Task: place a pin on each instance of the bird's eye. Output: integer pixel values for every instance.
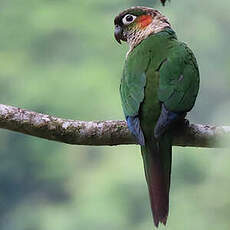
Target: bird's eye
(128, 19)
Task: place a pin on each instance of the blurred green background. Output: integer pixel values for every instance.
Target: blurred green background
(59, 57)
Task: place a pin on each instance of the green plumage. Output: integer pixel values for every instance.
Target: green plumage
(144, 62)
(160, 70)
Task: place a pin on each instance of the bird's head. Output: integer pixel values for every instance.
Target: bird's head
(136, 23)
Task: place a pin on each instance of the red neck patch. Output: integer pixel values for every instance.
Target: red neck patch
(144, 21)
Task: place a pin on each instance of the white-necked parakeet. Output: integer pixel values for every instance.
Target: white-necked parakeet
(159, 86)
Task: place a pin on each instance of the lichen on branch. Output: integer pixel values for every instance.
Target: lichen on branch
(99, 132)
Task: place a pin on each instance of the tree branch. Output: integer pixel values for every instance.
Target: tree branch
(99, 132)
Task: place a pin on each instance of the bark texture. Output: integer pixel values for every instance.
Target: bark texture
(101, 132)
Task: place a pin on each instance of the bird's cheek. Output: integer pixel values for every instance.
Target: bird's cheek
(144, 21)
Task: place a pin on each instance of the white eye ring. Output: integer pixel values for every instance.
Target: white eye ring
(128, 19)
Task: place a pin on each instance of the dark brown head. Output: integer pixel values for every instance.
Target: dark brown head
(137, 23)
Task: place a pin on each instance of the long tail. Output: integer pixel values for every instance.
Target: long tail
(157, 157)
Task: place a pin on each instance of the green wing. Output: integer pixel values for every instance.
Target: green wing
(133, 83)
(179, 80)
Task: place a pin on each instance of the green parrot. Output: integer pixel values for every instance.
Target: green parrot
(159, 86)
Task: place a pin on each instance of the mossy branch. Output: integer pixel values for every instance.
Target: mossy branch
(99, 132)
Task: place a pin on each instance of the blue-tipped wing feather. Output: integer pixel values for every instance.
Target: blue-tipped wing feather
(135, 128)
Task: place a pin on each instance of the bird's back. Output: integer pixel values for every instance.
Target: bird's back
(151, 54)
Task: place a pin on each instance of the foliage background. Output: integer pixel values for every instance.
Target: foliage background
(60, 57)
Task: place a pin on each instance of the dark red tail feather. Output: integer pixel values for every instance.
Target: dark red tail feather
(157, 163)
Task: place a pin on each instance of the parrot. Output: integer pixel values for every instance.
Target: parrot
(159, 85)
